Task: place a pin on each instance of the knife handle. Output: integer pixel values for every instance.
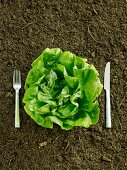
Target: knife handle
(108, 110)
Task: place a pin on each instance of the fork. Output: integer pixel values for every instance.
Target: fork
(17, 86)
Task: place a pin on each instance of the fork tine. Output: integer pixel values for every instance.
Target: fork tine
(16, 79)
(14, 75)
(19, 77)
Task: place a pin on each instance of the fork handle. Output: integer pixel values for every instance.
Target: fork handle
(17, 116)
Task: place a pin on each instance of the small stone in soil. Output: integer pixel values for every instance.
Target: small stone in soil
(104, 158)
(42, 144)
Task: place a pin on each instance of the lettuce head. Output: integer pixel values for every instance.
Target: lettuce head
(62, 88)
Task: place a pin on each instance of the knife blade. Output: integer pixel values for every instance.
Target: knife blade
(107, 89)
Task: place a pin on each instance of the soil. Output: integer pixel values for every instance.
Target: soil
(95, 29)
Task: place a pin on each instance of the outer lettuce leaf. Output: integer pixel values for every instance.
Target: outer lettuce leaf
(48, 55)
(67, 60)
(62, 88)
(84, 121)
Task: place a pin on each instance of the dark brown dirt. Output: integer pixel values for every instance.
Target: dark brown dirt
(96, 29)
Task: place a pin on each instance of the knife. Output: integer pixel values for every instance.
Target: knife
(107, 89)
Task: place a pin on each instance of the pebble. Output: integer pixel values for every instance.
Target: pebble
(104, 158)
(42, 144)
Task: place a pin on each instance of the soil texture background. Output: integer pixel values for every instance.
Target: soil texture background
(95, 29)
